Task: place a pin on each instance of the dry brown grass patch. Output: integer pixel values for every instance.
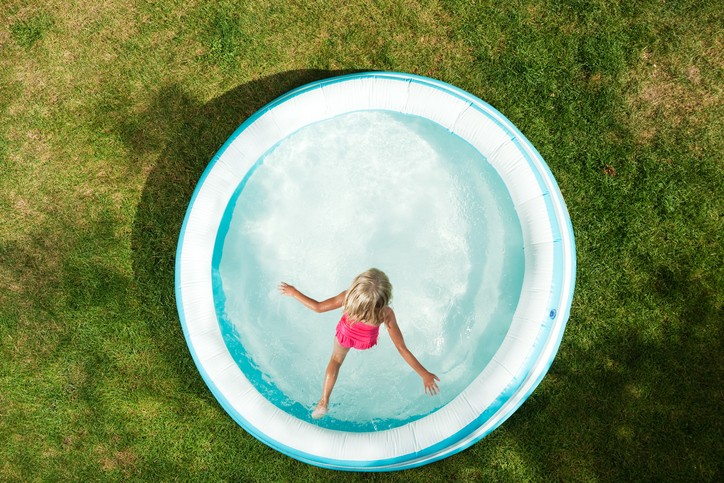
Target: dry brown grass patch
(124, 460)
(9, 472)
(672, 93)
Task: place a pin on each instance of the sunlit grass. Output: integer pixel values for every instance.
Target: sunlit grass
(109, 113)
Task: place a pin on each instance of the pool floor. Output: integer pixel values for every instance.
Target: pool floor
(368, 189)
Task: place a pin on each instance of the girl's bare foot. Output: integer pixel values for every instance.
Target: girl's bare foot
(319, 412)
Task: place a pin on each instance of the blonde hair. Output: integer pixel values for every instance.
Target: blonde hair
(369, 294)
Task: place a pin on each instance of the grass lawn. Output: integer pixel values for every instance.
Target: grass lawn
(109, 112)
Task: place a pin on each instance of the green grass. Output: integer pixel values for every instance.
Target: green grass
(26, 32)
(108, 116)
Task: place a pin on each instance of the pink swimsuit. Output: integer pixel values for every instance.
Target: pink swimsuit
(360, 336)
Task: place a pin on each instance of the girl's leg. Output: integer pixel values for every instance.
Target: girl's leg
(330, 378)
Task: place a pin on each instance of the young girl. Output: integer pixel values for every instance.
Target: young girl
(365, 306)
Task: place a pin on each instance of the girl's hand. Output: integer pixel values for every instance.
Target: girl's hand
(287, 289)
(430, 385)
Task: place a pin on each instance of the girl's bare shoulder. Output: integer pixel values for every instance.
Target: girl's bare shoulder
(389, 314)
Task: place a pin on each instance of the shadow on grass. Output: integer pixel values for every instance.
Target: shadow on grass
(639, 404)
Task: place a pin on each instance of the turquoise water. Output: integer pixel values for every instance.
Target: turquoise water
(368, 189)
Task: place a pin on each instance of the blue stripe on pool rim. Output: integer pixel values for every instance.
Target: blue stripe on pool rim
(221, 152)
(428, 454)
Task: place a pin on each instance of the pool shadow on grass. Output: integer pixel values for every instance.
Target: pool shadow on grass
(190, 133)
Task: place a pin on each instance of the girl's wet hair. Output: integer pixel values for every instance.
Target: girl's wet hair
(370, 292)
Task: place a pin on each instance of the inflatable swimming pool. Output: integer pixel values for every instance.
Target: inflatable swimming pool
(462, 157)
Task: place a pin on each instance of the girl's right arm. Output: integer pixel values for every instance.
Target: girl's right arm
(323, 306)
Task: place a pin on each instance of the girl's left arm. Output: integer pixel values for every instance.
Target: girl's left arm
(428, 378)
(324, 306)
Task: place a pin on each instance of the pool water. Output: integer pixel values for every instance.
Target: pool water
(368, 189)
